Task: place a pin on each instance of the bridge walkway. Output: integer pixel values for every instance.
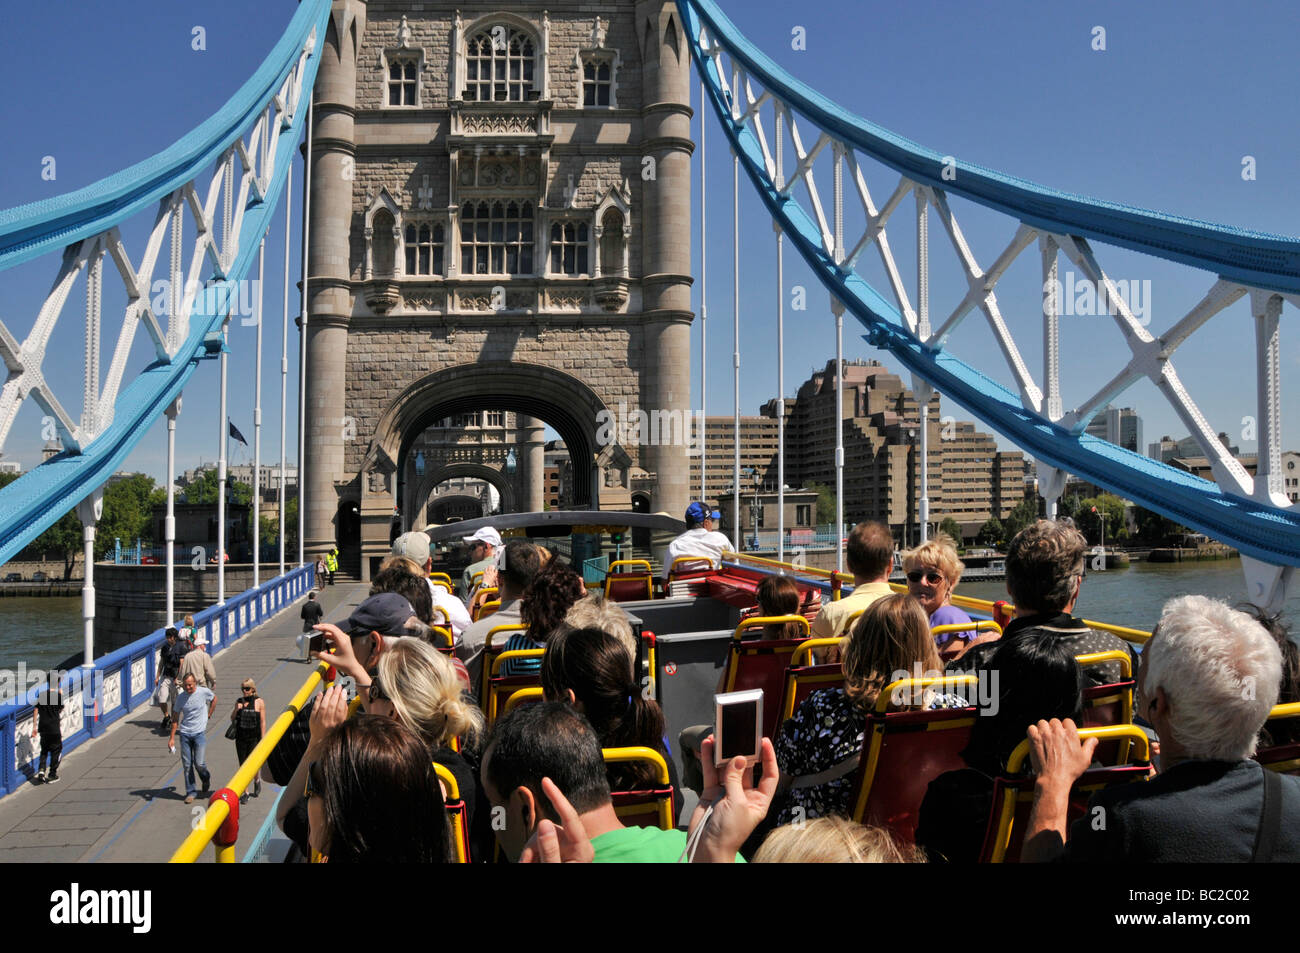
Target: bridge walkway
(121, 798)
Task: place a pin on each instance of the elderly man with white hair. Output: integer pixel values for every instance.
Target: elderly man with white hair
(1208, 678)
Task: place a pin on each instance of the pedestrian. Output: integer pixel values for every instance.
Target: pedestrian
(169, 670)
(332, 563)
(199, 664)
(249, 718)
(311, 614)
(189, 632)
(194, 706)
(49, 726)
(320, 571)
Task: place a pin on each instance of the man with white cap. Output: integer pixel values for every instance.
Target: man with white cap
(700, 538)
(416, 546)
(199, 663)
(483, 546)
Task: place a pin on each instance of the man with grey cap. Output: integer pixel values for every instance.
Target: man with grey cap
(483, 546)
(416, 547)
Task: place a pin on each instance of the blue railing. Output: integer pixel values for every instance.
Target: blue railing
(594, 569)
(122, 681)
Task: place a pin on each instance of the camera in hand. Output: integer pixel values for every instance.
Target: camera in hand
(738, 726)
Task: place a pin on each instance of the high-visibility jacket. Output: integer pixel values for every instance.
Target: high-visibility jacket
(331, 562)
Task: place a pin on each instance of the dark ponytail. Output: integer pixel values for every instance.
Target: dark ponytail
(595, 666)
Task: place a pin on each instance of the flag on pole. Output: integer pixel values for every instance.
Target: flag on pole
(1094, 509)
(234, 432)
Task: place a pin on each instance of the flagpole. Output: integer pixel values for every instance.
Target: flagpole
(257, 423)
(221, 479)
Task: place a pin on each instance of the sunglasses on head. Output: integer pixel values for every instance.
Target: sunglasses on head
(248, 688)
(929, 575)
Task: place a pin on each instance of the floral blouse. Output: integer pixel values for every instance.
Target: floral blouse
(825, 730)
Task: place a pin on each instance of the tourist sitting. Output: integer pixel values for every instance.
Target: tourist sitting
(835, 840)
(1045, 570)
(591, 670)
(778, 595)
(1282, 732)
(700, 539)
(818, 749)
(543, 767)
(519, 564)
(395, 575)
(1034, 679)
(550, 595)
(418, 550)
(594, 611)
(1209, 676)
(372, 796)
(870, 557)
(933, 571)
(482, 546)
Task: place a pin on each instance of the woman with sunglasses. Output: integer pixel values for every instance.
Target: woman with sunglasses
(249, 718)
(372, 796)
(933, 571)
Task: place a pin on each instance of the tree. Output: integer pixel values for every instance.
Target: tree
(825, 503)
(62, 540)
(271, 529)
(952, 528)
(128, 512)
(1024, 514)
(990, 533)
(205, 487)
(1154, 528)
(1109, 507)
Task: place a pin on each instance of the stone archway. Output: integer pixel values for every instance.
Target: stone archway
(563, 401)
(413, 514)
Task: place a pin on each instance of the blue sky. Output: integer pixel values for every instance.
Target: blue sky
(1162, 119)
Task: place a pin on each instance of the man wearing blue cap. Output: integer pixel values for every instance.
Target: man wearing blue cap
(700, 539)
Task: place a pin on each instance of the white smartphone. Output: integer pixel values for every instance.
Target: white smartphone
(738, 726)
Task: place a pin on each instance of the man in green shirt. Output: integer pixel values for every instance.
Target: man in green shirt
(543, 761)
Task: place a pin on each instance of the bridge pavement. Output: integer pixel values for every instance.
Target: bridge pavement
(121, 797)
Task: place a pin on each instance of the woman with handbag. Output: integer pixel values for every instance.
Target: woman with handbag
(247, 726)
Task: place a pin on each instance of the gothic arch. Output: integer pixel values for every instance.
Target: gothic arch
(564, 402)
(451, 471)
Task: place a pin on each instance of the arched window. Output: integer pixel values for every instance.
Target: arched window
(496, 238)
(499, 64)
(384, 248)
(424, 248)
(611, 243)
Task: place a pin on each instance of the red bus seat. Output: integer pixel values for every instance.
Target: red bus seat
(628, 585)
(650, 807)
(490, 651)
(761, 663)
(501, 687)
(802, 679)
(456, 816)
(1013, 796)
(903, 751)
(1110, 704)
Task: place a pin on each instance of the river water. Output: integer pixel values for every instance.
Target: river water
(1133, 596)
(43, 632)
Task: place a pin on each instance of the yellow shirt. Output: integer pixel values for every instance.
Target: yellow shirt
(832, 621)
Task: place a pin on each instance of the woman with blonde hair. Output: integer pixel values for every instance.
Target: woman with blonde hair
(835, 840)
(818, 748)
(419, 687)
(933, 571)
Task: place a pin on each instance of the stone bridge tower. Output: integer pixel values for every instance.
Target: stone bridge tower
(500, 219)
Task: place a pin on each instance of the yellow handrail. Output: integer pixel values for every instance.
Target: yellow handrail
(757, 622)
(1102, 658)
(912, 684)
(440, 577)
(1016, 763)
(638, 753)
(218, 811)
(521, 697)
(1289, 710)
(807, 647)
(641, 564)
(983, 625)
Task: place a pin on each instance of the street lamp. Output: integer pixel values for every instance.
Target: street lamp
(911, 431)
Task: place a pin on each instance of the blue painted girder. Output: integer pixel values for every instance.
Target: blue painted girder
(1259, 530)
(38, 498)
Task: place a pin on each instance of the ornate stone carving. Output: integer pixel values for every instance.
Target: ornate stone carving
(566, 300)
(497, 124)
(378, 481)
(421, 302)
(425, 193)
(404, 34)
(597, 33)
(611, 293)
(382, 295)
